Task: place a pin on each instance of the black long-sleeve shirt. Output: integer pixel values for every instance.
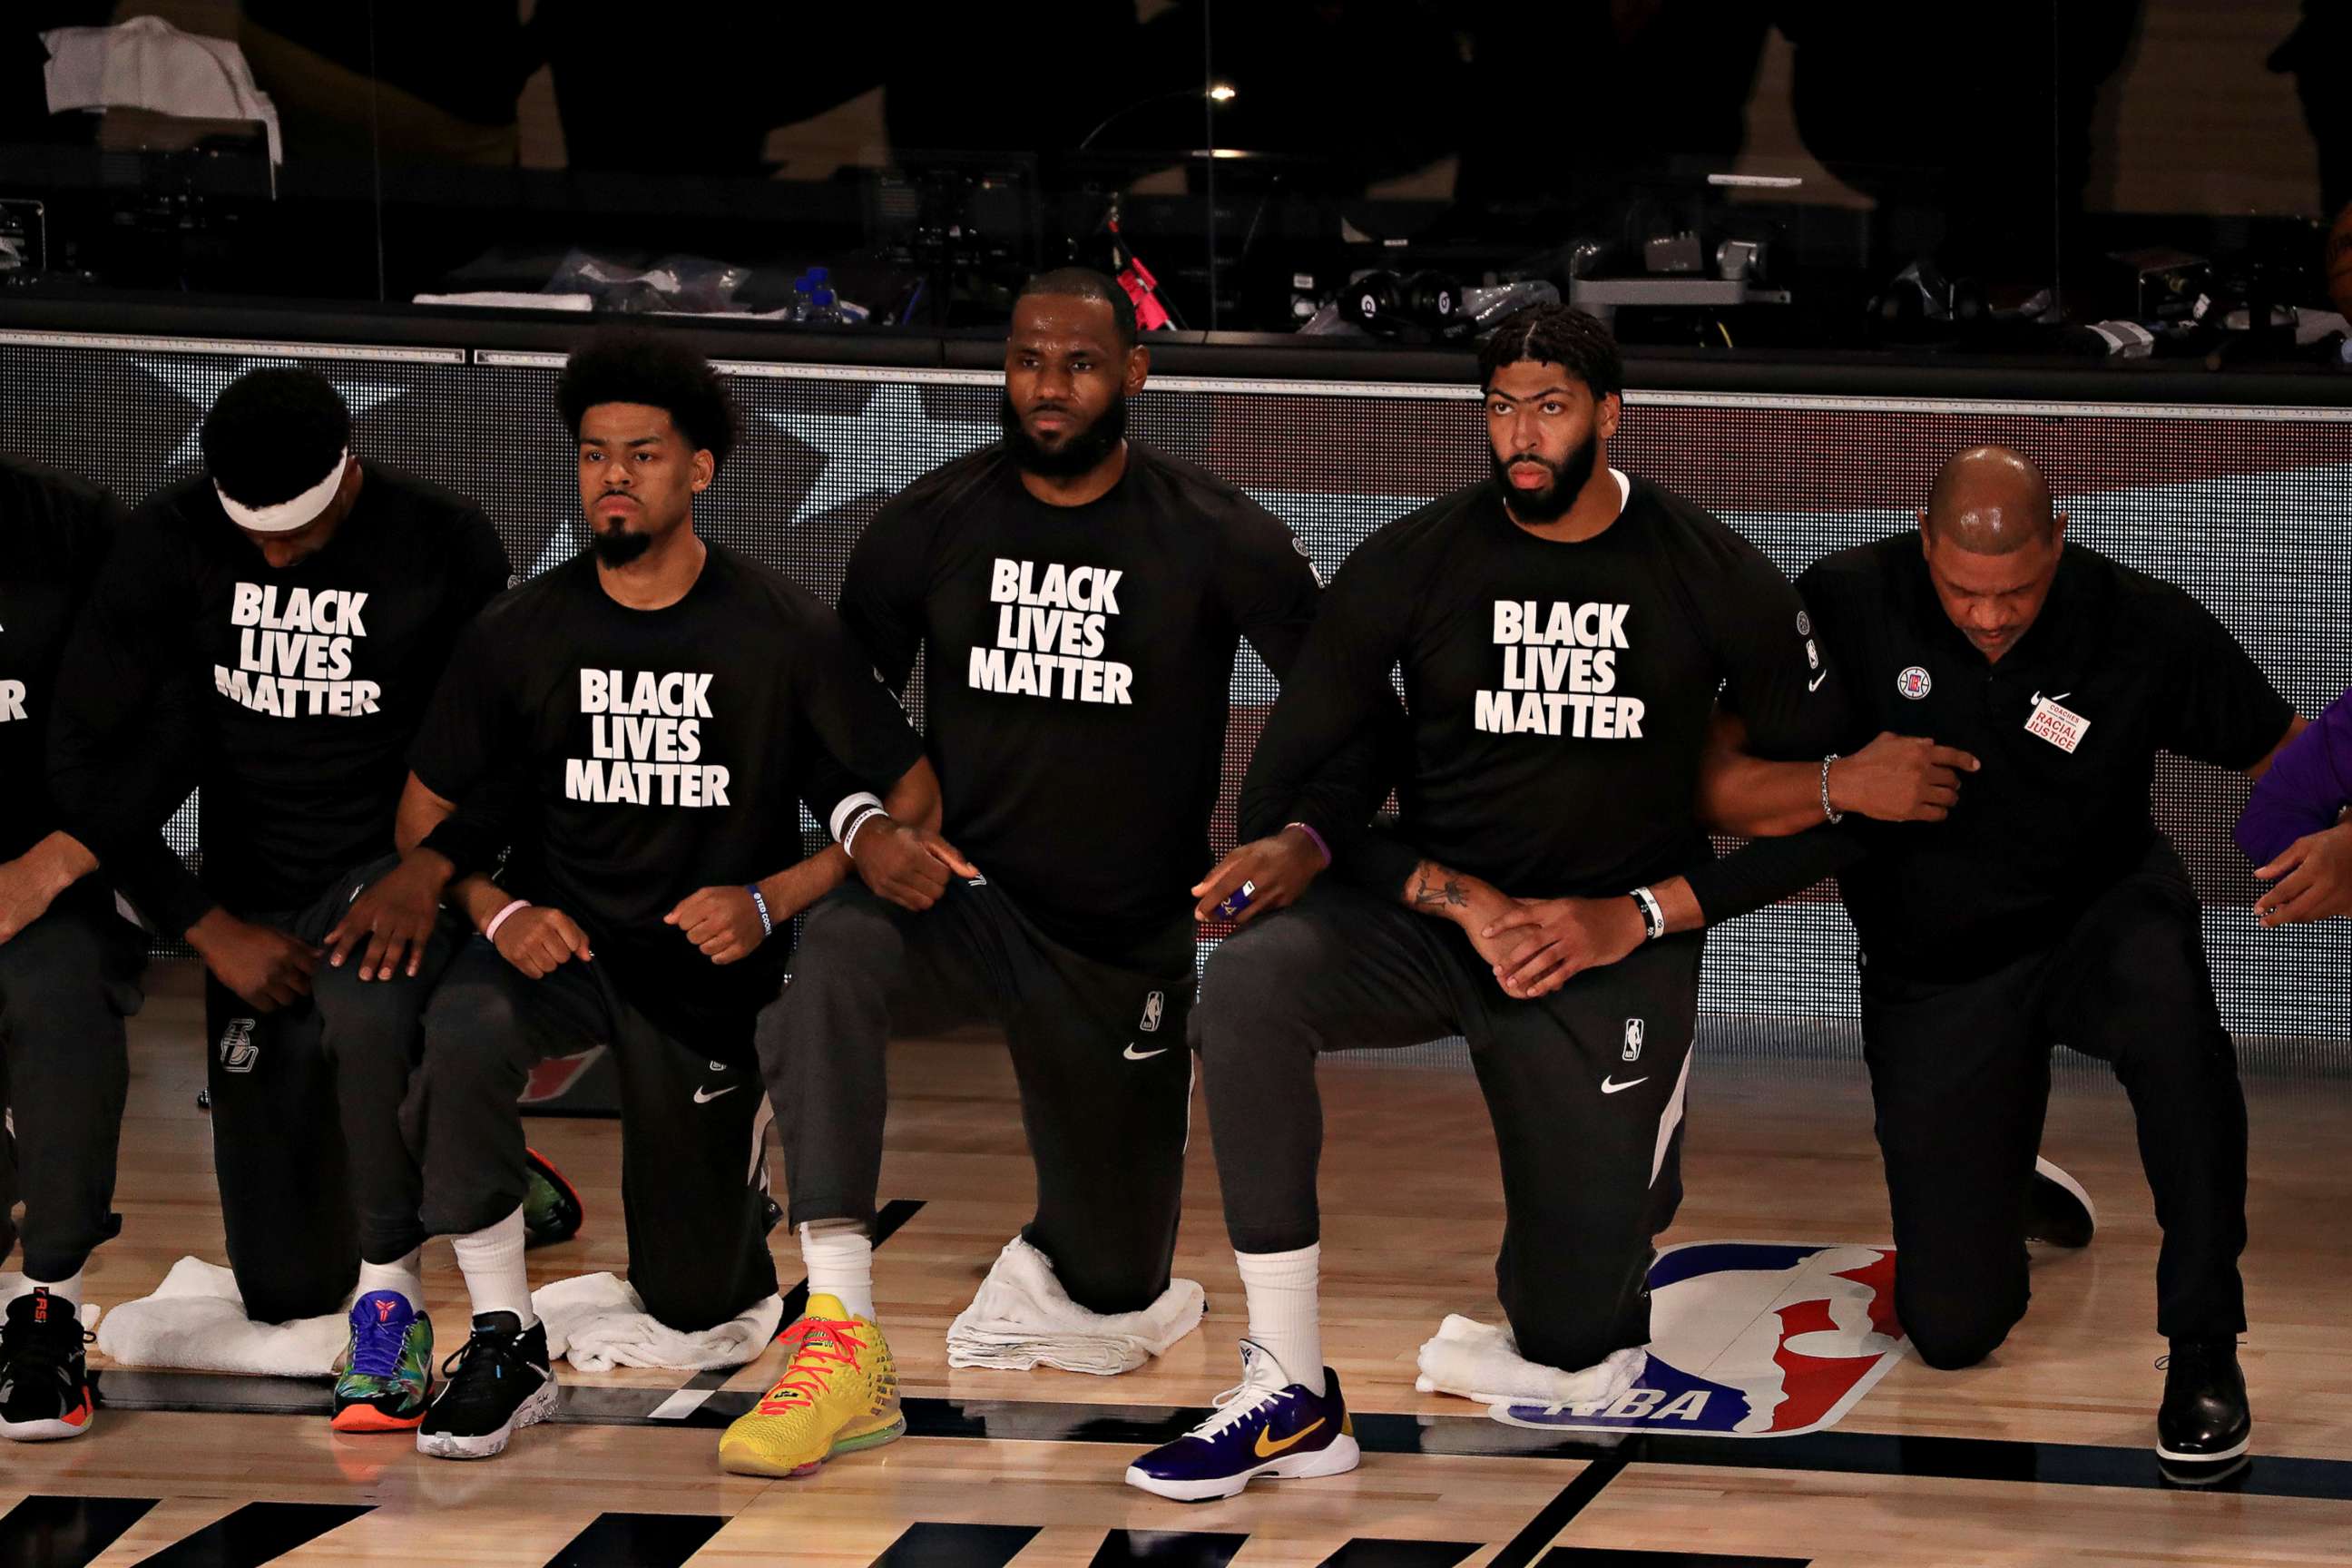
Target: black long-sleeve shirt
(54, 530)
(1077, 672)
(1559, 692)
(306, 684)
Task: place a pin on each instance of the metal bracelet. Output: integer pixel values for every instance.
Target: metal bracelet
(1827, 813)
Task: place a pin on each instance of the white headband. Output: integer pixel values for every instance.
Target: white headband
(286, 516)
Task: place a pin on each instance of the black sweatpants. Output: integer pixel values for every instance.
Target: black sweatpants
(1961, 1076)
(314, 1173)
(693, 1188)
(1585, 1087)
(67, 983)
(1098, 1050)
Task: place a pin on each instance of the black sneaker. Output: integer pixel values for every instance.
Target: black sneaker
(2204, 1419)
(44, 1382)
(2058, 1212)
(551, 1209)
(496, 1386)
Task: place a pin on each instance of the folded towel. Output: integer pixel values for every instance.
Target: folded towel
(1481, 1363)
(600, 1323)
(196, 1320)
(1023, 1318)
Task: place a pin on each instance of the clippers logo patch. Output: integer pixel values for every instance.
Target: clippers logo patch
(1914, 682)
(1152, 1006)
(2061, 727)
(1634, 1029)
(237, 1051)
(1805, 625)
(1751, 1340)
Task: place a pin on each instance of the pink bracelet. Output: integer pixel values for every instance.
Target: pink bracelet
(1310, 833)
(491, 930)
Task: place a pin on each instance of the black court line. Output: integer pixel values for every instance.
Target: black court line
(257, 1533)
(1144, 1426)
(1166, 1549)
(886, 1221)
(1523, 1548)
(957, 1546)
(1369, 1552)
(64, 1531)
(638, 1541)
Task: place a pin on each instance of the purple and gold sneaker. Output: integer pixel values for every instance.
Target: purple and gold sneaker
(1268, 1425)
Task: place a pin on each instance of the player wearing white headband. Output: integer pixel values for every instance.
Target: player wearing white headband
(295, 605)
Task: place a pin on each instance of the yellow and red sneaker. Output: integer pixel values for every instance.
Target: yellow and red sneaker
(44, 1381)
(839, 1393)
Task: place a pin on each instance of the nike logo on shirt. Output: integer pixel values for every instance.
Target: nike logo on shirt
(1815, 683)
(1610, 1086)
(1131, 1054)
(705, 1096)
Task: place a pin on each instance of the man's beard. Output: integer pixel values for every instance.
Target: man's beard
(616, 547)
(1081, 451)
(1551, 504)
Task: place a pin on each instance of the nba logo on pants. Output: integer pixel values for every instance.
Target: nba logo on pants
(1751, 1340)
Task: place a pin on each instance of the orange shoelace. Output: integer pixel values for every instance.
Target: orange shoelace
(812, 1363)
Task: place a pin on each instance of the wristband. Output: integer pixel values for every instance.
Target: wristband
(759, 903)
(849, 839)
(1654, 915)
(1321, 847)
(842, 814)
(1827, 813)
(491, 930)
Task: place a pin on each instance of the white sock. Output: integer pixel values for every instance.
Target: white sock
(402, 1274)
(58, 1290)
(839, 1258)
(491, 1261)
(1281, 1290)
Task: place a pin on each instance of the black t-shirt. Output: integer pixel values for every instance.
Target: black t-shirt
(1077, 675)
(664, 751)
(2118, 667)
(1559, 692)
(307, 683)
(53, 534)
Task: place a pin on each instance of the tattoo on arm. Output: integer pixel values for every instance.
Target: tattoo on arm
(1430, 893)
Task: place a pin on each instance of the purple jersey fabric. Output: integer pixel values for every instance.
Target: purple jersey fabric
(2309, 782)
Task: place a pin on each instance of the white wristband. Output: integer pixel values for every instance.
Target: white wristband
(491, 930)
(849, 841)
(1654, 915)
(847, 813)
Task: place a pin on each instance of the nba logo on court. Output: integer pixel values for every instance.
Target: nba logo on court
(1635, 1030)
(237, 1051)
(1751, 1340)
(1151, 1007)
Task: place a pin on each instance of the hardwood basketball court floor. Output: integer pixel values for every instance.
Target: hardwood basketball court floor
(2040, 1456)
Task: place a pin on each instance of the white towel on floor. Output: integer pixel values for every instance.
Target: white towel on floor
(196, 1320)
(1482, 1362)
(13, 1286)
(598, 1321)
(1022, 1317)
